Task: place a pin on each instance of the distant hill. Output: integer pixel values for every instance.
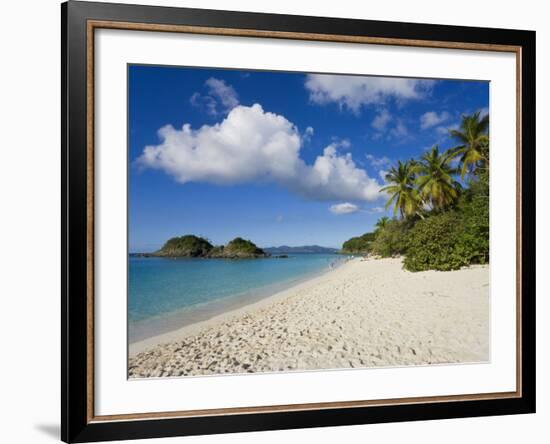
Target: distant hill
(285, 249)
(194, 246)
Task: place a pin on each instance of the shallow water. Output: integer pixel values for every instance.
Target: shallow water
(164, 294)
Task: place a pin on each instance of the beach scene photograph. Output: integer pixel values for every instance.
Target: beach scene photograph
(288, 221)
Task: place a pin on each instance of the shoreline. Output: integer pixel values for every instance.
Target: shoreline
(237, 309)
(365, 313)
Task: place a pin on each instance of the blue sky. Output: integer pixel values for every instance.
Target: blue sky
(277, 158)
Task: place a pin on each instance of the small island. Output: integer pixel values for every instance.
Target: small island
(198, 247)
(238, 248)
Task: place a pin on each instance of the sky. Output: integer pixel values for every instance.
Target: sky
(278, 158)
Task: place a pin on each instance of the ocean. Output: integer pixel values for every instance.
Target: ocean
(166, 293)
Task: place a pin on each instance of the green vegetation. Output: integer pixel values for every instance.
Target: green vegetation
(185, 246)
(194, 246)
(382, 223)
(442, 225)
(455, 238)
(358, 245)
(238, 248)
(474, 138)
(403, 193)
(437, 243)
(434, 180)
(390, 241)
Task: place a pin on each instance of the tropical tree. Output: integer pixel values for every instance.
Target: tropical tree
(434, 178)
(382, 223)
(401, 189)
(473, 136)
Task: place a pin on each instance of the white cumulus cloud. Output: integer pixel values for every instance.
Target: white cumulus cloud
(252, 145)
(344, 208)
(355, 91)
(432, 118)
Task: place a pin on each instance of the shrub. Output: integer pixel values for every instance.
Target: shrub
(390, 240)
(475, 213)
(431, 244)
(445, 241)
(359, 244)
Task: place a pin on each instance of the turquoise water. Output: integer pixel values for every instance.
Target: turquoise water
(160, 287)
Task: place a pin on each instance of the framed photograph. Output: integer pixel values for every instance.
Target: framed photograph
(276, 221)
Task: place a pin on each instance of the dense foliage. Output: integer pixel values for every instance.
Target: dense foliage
(437, 243)
(185, 246)
(390, 240)
(238, 248)
(359, 244)
(443, 224)
(455, 238)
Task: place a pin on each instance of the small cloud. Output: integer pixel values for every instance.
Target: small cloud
(342, 144)
(375, 210)
(206, 103)
(344, 208)
(388, 132)
(220, 99)
(280, 218)
(381, 121)
(308, 134)
(225, 93)
(444, 130)
(378, 161)
(354, 92)
(432, 118)
(399, 131)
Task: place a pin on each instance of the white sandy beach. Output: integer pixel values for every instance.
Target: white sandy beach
(366, 313)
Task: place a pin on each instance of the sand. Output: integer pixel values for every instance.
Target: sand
(366, 313)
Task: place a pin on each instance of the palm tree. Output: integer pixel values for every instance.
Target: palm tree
(435, 181)
(382, 223)
(402, 191)
(474, 142)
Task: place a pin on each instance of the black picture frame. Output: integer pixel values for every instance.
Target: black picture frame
(76, 423)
